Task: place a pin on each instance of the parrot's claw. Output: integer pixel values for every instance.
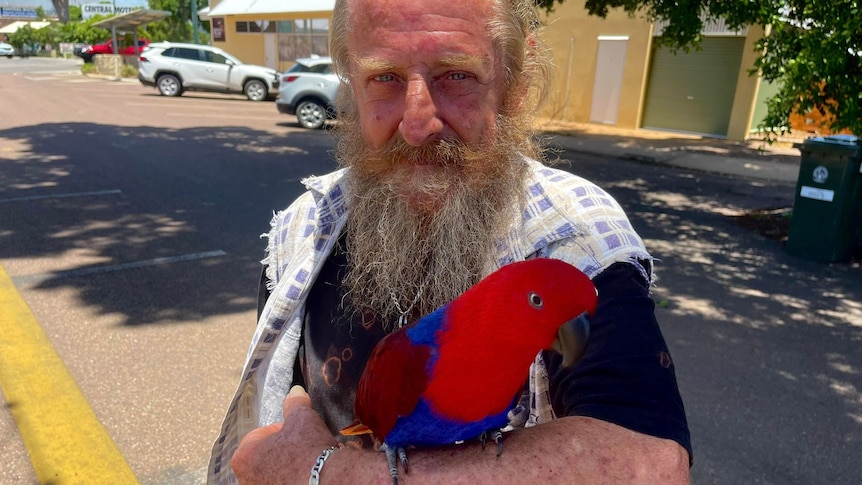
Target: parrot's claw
(402, 455)
(498, 438)
(391, 454)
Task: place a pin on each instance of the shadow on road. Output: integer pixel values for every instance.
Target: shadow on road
(79, 203)
(768, 346)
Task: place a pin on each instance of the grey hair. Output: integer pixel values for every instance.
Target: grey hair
(515, 27)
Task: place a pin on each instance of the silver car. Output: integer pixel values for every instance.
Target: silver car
(173, 68)
(308, 91)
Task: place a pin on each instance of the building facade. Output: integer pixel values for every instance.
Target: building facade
(270, 32)
(607, 71)
(611, 71)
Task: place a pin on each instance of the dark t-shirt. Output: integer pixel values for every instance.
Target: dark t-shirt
(626, 376)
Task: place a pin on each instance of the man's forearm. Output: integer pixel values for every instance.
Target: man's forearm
(566, 451)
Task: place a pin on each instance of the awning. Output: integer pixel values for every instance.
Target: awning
(204, 13)
(129, 22)
(14, 26)
(264, 7)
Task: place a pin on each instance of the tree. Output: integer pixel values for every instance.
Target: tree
(177, 27)
(812, 49)
(75, 13)
(24, 39)
(62, 9)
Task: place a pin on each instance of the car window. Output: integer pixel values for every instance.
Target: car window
(298, 68)
(322, 68)
(182, 53)
(318, 68)
(215, 57)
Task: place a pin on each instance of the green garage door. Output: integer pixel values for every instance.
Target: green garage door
(693, 91)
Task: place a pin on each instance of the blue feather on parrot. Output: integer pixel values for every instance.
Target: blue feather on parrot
(454, 374)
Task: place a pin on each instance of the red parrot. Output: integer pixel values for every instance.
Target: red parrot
(455, 373)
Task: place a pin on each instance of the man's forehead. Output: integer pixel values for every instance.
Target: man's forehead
(450, 60)
(435, 33)
(388, 14)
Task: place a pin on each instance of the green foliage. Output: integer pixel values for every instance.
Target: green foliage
(89, 68)
(81, 32)
(547, 5)
(812, 48)
(24, 39)
(128, 71)
(177, 27)
(173, 28)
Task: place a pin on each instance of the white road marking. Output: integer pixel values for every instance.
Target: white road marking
(60, 196)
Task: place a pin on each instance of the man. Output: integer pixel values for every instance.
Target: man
(437, 192)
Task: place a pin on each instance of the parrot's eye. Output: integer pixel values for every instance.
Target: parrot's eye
(535, 300)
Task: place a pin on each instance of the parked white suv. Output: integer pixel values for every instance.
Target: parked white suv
(173, 68)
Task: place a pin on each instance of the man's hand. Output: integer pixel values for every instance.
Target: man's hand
(261, 456)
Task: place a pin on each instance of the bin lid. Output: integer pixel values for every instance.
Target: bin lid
(842, 139)
(841, 145)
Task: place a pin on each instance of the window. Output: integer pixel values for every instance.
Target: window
(302, 38)
(183, 53)
(215, 58)
(322, 68)
(257, 26)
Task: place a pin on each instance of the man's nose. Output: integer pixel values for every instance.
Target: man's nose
(420, 121)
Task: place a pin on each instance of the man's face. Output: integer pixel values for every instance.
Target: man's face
(436, 174)
(424, 71)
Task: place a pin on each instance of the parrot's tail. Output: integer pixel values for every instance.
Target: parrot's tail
(355, 428)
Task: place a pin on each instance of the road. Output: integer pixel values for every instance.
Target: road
(129, 224)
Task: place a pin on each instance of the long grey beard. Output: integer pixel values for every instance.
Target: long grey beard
(406, 263)
(407, 259)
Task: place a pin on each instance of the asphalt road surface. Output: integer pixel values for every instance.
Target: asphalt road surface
(130, 225)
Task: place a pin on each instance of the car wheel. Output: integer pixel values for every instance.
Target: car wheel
(169, 85)
(311, 114)
(255, 90)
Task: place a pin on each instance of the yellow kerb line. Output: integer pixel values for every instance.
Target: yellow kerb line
(66, 442)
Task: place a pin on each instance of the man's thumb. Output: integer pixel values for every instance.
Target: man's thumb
(296, 397)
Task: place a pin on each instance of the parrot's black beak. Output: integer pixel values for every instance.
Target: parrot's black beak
(572, 338)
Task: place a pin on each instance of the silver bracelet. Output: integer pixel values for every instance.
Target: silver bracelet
(314, 479)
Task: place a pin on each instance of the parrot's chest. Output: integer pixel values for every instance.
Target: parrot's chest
(425, 427)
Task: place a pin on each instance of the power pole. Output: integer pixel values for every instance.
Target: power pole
(195, 21)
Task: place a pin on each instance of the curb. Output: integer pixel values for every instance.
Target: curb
(111, 78)
(727, 165)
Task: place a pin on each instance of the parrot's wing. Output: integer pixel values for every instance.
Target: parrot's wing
(394, 378)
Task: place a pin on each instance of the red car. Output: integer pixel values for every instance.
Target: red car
(88, 52)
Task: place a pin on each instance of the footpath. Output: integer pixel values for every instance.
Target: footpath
(753, 158)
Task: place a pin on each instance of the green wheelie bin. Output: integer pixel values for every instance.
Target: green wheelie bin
(827, 210)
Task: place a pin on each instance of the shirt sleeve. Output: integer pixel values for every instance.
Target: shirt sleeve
(626, 376)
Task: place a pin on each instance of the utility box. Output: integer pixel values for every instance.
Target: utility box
(827, 211)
